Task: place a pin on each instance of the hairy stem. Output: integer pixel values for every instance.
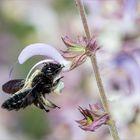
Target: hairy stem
(83, 17)
(112, 126)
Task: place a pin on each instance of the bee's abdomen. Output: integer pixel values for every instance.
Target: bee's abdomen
(16, 102)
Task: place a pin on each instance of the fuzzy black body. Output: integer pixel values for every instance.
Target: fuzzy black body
(16, 101)
(43, 83)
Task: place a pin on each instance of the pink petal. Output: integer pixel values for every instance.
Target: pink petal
(41, 49)
(99, 122)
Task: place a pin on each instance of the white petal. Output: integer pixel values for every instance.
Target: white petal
(44, 50)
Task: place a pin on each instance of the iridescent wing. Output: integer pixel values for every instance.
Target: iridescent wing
(13, 86)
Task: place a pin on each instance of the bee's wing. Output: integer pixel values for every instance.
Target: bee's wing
(13, 86)
(21, 99)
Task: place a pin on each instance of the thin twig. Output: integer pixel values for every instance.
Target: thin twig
(112, 126)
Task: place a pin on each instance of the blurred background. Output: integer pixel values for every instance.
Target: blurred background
(115, 24)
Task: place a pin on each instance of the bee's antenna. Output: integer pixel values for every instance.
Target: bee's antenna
(11, 69)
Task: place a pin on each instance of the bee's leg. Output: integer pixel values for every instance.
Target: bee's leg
(46, 103)
(40, 105)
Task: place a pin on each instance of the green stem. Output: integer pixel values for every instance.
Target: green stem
(111, 124)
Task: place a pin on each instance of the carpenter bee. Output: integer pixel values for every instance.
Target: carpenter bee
(33, 90)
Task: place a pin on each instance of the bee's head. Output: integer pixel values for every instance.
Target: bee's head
(52, 69)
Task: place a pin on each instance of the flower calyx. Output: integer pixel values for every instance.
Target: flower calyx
(94, 117)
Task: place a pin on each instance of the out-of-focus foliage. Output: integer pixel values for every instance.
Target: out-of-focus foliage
(34, 123)
(63, 6)
(21, 29)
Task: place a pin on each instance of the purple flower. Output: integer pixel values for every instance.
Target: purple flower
(78, 50)
(44, 50)
(94, 118)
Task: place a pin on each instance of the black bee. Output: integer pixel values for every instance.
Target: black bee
(34, 89)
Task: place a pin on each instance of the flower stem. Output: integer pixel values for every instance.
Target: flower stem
(83, 17)
(112, 126)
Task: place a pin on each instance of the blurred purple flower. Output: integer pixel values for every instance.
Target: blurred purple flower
(78, 50)
(94, 118)
(127, 62)
(130, 8)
